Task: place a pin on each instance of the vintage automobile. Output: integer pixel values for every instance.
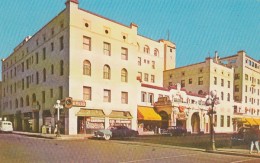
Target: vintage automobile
(115, 132)
(175, 130)
(6, 126)
(240, 137)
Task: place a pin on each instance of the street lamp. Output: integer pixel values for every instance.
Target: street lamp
(211, 101)
(58, 106)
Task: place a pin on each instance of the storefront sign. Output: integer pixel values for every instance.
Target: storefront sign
(78, 103)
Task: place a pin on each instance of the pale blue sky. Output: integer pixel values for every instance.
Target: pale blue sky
(198, 27)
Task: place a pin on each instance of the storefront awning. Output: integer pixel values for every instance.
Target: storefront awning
(120, 114)
(257, 121)
(90, 113)
(148, 113)
(251, 121)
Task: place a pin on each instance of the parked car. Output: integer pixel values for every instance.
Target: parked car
(240, 137)
(115, 132)
(6, 126)
(175, 130)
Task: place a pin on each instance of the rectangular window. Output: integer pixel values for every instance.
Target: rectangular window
(139, 61)
(146, 77)
(151, 98)
(87, 43)
(237, 76)
(216, 120)
(222, 82)
(124, 53)
(215, 80)
(22, 85)
(222, 121)
(107, 48)
(52, 46)
(22, 68)
(228, 84)
(43, 96)
(143, 97)
(153, 64)
(245, 99)
(182, 83)
(245, 88)
(246, 77)
(140, 76)
(51, 93)
(152, 79)
(200, 81)
(124, 97)
(37, 58)
(60, 92)
(190, 80)
(107, 95)
(86, 93)
(61, 43)
(43, 53)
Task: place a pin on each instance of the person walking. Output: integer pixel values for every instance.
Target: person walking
(253, 138)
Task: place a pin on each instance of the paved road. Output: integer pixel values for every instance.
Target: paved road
(17, 148)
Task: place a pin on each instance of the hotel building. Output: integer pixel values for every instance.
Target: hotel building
(98, 63)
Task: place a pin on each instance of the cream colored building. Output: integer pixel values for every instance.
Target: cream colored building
(96, 61)
(236, 79)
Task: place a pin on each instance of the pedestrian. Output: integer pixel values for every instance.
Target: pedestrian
(253, 135)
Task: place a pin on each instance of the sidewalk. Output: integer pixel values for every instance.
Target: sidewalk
(226, 151)
(53, 136)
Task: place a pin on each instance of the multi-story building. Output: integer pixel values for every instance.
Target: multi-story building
(97, 62)
(236, 79)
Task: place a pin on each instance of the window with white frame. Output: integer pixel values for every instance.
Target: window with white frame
(107, 95)
(86, 68)
(151, 98)
(146, 77)
(139, 61)
(124, 97)
(86, 93)
(152, 78)
(143, 97)
(124, 53)
(146, 49)
(107, 48)
(106, 72)
(123, 75)
(87, 43)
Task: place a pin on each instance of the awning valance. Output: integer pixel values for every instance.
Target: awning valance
(120, 114)
(90, 113)
(148, 113)
(251, 121)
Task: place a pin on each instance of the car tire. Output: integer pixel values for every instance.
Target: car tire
(107, 137)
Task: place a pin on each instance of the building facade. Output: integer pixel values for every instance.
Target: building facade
(97, 62)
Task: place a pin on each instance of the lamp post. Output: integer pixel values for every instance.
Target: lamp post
(58, 107)
(212, 100)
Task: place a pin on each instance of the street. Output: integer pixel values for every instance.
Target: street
(17, 148)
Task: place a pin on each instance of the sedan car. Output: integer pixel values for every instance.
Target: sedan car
(175, 130)
(115, 132)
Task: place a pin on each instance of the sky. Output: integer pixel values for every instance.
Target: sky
(197, 27)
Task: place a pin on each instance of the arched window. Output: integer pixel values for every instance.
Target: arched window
(61, 68)
(52, 69)
(124, 75)
(86, 68)
(27, 101)
(44, 75)
(146, 49)
(156, 52)
(16, 103)
(106, 72)
(21, 102)
(228, 97)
